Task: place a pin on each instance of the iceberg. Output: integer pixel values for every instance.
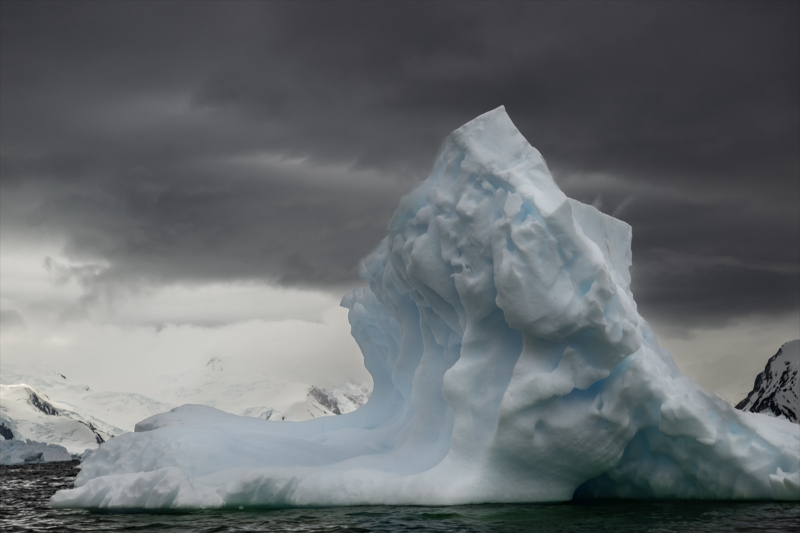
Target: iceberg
(509, 363)
(20, 452)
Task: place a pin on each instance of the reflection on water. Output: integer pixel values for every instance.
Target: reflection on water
(25, 491)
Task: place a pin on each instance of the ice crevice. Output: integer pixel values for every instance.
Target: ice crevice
(510, 364)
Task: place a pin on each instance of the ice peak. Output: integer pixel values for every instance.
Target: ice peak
(494, 139)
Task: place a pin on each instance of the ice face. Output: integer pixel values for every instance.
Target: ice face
(509, 363)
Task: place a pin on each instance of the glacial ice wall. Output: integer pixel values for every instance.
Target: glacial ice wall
(509, 362)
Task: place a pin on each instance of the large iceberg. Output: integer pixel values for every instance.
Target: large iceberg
(509, 362)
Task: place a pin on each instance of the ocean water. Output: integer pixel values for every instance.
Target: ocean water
(25, 491)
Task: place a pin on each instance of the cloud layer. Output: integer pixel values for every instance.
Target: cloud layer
(166, 143)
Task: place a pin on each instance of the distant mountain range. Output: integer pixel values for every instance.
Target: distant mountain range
(777, 389)
(47, 407)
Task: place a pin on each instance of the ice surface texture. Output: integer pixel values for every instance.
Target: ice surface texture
(509, 363)
(20, 452)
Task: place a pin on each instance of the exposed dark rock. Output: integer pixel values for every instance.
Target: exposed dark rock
(97, 437)
(776, 388)
(41, 404)
(326, 401)
(6, 432)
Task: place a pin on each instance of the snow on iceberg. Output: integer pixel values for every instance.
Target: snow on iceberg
(20, 452)
(509, 362)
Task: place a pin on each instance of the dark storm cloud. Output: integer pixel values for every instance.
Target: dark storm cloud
(150, 135)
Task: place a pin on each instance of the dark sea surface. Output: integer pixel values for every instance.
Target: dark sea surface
(26, 490)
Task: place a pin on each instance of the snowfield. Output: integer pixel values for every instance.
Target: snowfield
(509, 362)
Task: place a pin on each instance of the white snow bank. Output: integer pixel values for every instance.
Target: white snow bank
(509, 362)
(20, 452)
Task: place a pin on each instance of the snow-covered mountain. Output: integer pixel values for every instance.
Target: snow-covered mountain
(27, 413)
(231, 385)
(44, 405)
(112, 412)
(777, 389)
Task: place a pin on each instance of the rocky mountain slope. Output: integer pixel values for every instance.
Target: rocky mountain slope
(27, 413)
(777, 389)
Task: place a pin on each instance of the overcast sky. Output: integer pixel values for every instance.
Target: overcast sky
(207, 164)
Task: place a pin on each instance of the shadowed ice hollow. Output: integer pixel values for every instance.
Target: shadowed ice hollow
(509, 362)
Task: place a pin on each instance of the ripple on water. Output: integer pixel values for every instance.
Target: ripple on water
(25, 492)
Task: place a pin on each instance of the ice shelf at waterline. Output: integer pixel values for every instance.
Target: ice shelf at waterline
(509, 362)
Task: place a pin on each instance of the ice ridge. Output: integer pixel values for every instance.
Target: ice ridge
(509, 362)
